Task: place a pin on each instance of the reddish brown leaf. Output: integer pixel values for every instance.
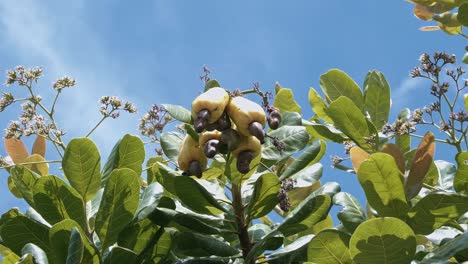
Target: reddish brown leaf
(422, 12)
(16, 149)
(396, 153)
(358, 156)
(420, 166)
(39, 146)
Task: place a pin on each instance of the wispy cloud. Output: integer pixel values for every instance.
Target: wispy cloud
(35, 35)
(405, 94)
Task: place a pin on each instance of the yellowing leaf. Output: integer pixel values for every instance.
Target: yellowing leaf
(422, 12)
(16, 149)
(358, 156)
(466, 102)
(39, 168)
(429, 28)
(39, 146)
(420, 166)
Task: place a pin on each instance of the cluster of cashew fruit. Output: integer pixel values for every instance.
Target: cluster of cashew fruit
(225, 125)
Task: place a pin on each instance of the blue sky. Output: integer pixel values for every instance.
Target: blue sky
(152, 52)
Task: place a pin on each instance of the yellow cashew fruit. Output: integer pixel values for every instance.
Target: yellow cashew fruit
(208, 135)
(249, 148)
(245, 113)
(214, 100)
(210, 142)
(191, 158)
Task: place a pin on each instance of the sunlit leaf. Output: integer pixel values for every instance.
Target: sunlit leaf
(310, 156)
(265, 195)
(329, 247)
(178, 112)
(377, 98)
(38, 165)
(460, 182)
(358, 156)
(24, 181)
(336, 83)
(170, 142)
(318, 105)
(284, 101)
(352, 214)
(294, 138)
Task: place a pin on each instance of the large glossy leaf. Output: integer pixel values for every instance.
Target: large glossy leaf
(271, 241)
(447, 172)
(24, 181)
(20, 230)
(336, 83)
(382, 182)
(377, 98)
(284, 101)
(196, 197)
(292, 253)
(120, 255)
(39, 146)
(311, 211)
(196, 245)
(136, 236)
(311, 155)
(169, 217)
(59, 236)
(323, 131)
(16, 150)
(291, 119)
(435, 210)
(75, 250)
(348, 118)
(170, 142)
(420, 166)
(36, 252)
(352, 214)
(318, 105)
(150, 172)
(294, 139)
(129, 153)
(383, 240)
(82, 164)
(150, 195)
(447, 250)
(460, 182)
(56, 201)
(178, 112)
(358, 156)
(329, 247)
(118, 205)
(265, 195)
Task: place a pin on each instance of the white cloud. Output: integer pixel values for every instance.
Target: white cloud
(407, 91)
(35, 35)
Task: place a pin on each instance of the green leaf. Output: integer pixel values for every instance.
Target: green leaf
(9, 257)
(40, 168)
(294, 139)
(291, 119)
(296, 252)
(82, 164)
(20, 230)
(169, 217)
(329, 247)
(24, 180)
(336, 83)
(349, 119)
(150, 195)
(118, 205)
(447, 172)
(59, 236)
(377, 98)
(310, 156)
(170, 142)
(196, 245)
(311, 211)
(284, 101)
(325, 132)
(120, 255)
(352, 214)
(403, 142)
(196, 197)
(463, 14)
(150, 173)
(212, 83)
(129, 152)
(460, 182)
(26, 259)
(420, 165)
(271, 241)
(382, 182)
(447, 250)
(136, 236)
(56, 201)
(436, 209)
(318, 105)
(36, 252)
(383, 240)
(265, 195)
(75, 250)
(178, 112)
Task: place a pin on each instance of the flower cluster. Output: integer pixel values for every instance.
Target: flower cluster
(23, 76)
(154, 121)
(112, 105)
(283, 199)
(63, 82)
(400, 127)
(6, 100)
